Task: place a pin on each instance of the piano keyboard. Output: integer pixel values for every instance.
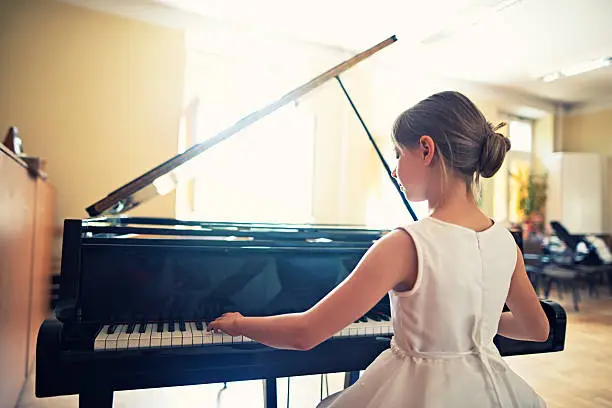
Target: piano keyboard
(189, 334)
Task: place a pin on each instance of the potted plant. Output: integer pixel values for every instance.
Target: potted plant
(531, 199)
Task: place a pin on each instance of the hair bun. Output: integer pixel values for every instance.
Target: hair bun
(494, 149)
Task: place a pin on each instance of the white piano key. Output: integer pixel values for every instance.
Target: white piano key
(217, 338)
(177, 336)
(375, 327)
(187, 335)
(156, 337)
(122, 340)
(227, 339)
(151, 338)
(111, 339)
(166, 336)
(145, 338)
(370, 327)
(134, 337)
(209, 337)
(100, 341)
(196, 334)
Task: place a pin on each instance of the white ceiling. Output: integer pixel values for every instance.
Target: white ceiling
(508, 44)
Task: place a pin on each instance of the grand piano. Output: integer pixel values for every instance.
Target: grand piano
(136, 293)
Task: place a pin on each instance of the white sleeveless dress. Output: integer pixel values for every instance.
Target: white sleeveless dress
(442, 354)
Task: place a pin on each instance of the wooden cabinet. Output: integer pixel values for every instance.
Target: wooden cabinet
(27, 208)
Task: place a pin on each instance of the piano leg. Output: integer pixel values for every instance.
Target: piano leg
(94, 397)
(350, 378)
(270, 400)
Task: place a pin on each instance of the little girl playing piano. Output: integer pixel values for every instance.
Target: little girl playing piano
(447, 276)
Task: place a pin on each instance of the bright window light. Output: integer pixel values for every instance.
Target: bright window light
(520, 134)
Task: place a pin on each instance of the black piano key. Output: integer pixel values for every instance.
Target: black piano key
(199, 325)
(111, 329)
(130, 328)
(160, 327)
(182, 326)
(171, 326)
(363, 319)
(143, 327)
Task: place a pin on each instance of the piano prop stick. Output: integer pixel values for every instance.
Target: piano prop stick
(137, 293)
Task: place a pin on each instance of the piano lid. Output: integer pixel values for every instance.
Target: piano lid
(165, 177)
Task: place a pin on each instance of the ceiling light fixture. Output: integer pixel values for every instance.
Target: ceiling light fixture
(470, 18)
(579, 68)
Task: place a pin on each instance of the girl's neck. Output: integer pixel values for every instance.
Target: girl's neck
(457, 205)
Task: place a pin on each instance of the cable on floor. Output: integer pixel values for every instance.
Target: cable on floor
(219, 394)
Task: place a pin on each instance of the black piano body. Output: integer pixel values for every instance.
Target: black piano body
(144, 271)
(136, 293)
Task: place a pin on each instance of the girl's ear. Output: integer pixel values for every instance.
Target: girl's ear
(428, 149)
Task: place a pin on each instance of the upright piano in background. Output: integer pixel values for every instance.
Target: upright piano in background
(27, 223)
(136, 293)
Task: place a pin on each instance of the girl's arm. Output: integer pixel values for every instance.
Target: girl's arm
(526, 319)
(390, 261)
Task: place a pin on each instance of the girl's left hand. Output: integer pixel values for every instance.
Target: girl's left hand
(226, 323)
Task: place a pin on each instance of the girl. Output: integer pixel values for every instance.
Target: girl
(447, 275)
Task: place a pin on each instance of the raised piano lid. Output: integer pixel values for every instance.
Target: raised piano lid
(165, 177)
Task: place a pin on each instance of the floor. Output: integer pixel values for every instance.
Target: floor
(580, 376)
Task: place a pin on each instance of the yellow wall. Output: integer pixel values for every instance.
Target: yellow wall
(543, 141)
(86, 87)
(591, 132)
(98, 96)
(494, 190)
(588, 132)
(344, 157)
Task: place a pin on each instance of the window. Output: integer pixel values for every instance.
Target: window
(263, 173)
(518, 165)
(520, 135)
